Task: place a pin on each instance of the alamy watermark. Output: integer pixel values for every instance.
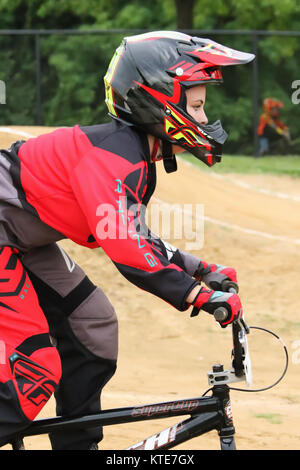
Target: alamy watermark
(2, 92)
(296, 94)
(169, 221)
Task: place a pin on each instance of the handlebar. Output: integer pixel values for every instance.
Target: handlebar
(221, 313)
(240, 358)
(239, 328)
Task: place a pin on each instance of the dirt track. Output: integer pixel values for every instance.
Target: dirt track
(164, 355)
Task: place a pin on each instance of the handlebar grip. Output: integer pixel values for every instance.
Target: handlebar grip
(230, 286)
(220, 314)
(232, 290)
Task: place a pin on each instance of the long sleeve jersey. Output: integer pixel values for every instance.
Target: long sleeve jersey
(266, 122)
(91, 185)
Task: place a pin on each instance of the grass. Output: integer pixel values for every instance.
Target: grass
(273, 418)
(292, 399)
(288, 326)
(287, 165)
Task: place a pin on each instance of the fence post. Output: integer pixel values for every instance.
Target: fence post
(255, 94)
(39, 116)
(2, 92)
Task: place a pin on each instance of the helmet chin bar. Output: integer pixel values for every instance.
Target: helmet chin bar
(216, 137)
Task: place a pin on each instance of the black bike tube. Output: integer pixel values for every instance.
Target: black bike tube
(226, 429)
(181, 432)
(116, 416)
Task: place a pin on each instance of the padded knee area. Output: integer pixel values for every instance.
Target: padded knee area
(95, 325)
(35, 378)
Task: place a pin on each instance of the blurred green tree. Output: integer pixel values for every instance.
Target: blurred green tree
(73, 66)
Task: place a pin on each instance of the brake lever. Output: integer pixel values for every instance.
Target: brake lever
(243, 325)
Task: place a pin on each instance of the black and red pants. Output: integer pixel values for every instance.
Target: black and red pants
(58, 333)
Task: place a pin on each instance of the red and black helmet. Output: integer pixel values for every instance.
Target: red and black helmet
(146, 81)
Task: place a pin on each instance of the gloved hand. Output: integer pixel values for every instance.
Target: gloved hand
(209, 300)
(214, 274)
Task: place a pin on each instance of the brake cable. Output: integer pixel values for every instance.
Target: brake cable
(284, 370)
(278, 380)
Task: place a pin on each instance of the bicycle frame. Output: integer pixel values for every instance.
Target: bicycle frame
(206, 414)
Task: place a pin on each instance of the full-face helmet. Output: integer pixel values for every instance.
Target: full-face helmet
(146, 83)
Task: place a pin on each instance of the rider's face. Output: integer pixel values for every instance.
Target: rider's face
(195, 101)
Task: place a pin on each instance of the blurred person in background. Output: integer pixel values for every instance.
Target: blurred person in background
(271, 129)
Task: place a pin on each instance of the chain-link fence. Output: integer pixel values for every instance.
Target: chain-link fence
(55, 77)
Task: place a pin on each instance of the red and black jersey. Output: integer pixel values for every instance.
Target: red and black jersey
(91, 184)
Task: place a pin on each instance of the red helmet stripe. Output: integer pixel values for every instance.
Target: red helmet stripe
(177, 65)
(161, 97)
(209, 158)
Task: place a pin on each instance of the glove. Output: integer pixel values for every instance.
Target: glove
(209, 300)
(214, 274)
